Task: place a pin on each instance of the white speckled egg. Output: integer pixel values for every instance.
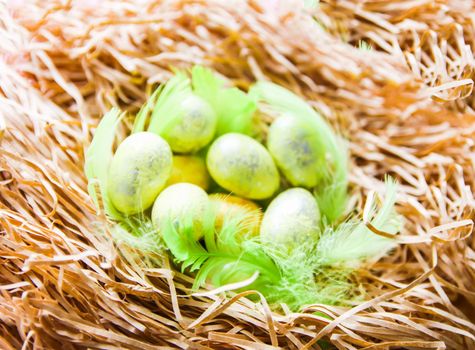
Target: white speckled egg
(291, 219)
(242, 166)
(179, 202)
(194, 128)
(297, 151)
(138, 171)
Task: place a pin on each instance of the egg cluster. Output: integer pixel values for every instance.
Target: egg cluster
(173, 169)
(247, 190)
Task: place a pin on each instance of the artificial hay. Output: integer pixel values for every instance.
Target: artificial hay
(394, 77)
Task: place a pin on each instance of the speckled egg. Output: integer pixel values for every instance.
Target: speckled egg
(179, 202)
(228, 207)
(291, 219)
(242, 166)
(194, 127)
(138, 171)
(297, 151)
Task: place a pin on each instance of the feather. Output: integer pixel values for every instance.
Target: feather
(147, 108)
(179, 238)
(234, 108)
(167, 107)
(297, 279)
(352, 242)
(219, 249)
(304, 281)
(205, 83)
(331, 194)
(97, 159)
(139, 234)
(319, 271)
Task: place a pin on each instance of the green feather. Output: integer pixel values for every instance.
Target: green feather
(167, 107)
(331, 194)
(234, 108)
(97, 159)
(219, 248)
(352, 242)
(246, 257)
(304, 281)
(297, 279)
(179, 239)
(147, 108)
(317, 272)
(205, 83)
(138, 233)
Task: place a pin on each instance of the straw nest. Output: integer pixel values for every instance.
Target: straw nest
(405, 105)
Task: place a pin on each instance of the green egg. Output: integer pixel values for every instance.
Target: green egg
(190, 169)
(297, 151)
(194, 126)
(138, 171)
(179, 202)
(292, 219)
(242, 166)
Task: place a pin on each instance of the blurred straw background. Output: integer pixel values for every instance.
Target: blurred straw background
(394, 77)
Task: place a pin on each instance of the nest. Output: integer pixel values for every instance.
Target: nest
(405, 104)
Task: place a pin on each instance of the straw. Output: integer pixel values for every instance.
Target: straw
(404, 105)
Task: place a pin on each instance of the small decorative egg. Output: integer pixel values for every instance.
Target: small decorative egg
(180, 202)
(138, 171)
(291, 219)
(191, 169)
(228, 206)
(194, 127)
(242, 166)
(297, 151)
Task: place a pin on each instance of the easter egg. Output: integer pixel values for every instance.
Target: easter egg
(228, 207)
(189, 169)
(291, 219)
(242, 166)
(297, 151)
(181, 202)
(138, 171)
(194, 125)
